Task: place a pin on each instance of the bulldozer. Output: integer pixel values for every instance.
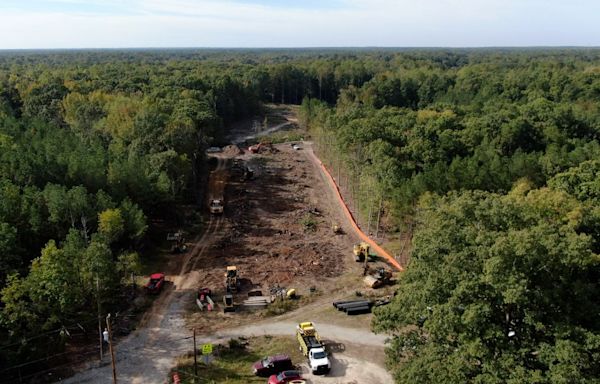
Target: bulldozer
(231, 279)
(361, 252)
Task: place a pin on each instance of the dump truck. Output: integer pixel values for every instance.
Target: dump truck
(216, 206)
(312, 347)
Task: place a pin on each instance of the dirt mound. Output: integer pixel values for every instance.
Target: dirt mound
(267, 149)
(232, 150)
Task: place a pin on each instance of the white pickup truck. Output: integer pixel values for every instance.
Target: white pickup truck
(216, 206)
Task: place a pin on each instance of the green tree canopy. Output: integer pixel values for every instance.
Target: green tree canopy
(500, 289)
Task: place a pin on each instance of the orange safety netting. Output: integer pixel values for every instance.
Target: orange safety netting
(380, 251)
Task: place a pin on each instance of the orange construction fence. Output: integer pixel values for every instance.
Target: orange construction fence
(380, 251)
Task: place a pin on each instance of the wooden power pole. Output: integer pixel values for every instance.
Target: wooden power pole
(112, 352)
(99, 316)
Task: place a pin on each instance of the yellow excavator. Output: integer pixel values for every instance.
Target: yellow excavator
(231, 279)
(361, 252)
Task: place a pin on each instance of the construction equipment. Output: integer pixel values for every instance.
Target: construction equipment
(361, 251)
(203, 300)
(216, 206)
(291, 293)
(231, 279)
(178, 242)
(228, 305)
(380, 278)
(337, 229)
(312, 347)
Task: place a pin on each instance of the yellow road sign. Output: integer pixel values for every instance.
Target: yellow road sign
(207, 349)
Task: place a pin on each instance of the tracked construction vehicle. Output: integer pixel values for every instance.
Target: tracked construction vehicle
(361, 251)
(231, 279)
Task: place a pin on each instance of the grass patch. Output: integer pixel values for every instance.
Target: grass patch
(281, 306)
(285, 136)
(309, 223)
(232, 362)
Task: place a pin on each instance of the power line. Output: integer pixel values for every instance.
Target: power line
(57, 330)
(70, 363)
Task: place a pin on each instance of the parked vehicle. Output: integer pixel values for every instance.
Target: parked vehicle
(216, 206)
(156, 282)
(272, 365)
(312, 347)
(214, 150)
(285, 377)
(204, 301)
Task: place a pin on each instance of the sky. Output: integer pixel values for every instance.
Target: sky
(30, 24)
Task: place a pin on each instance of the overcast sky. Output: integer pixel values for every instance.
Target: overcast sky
(299, 23)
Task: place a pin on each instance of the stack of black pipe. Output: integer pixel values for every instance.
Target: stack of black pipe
(353, 307)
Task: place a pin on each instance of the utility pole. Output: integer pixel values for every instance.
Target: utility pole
(110, 346)
(99, 317)
(195, 352)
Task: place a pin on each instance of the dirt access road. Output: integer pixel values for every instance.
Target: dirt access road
(262, 233)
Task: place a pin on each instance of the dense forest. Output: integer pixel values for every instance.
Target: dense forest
(494, 154)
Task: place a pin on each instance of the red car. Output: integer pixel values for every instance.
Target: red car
(272, 365)
(156, 282)
(285, 377)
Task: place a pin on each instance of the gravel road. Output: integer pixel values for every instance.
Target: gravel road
(147, 355)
